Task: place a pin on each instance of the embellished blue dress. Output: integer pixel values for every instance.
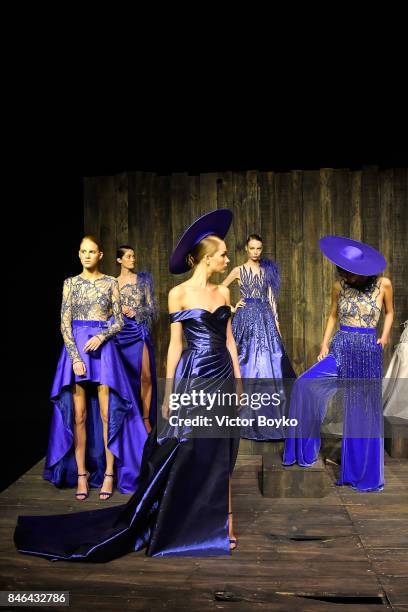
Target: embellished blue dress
(181, 505)
(86, 309)
(353, 369)
(264, 364)
(135, 334)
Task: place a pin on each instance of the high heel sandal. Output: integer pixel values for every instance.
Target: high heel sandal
(233, 541)
(107, 493)
(83, 496)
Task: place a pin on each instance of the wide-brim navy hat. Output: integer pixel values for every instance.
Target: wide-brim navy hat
(352, 255)
(214, 223)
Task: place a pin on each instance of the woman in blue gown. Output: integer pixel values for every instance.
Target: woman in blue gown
(134, 340)
(264, 364)
(96, 420)
(182, 506)
(352, 365)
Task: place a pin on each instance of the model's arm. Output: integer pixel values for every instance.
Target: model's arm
(118, 323)
(150, 311)
(66, 323)
(272, 302)
(233, 275)
(231, 346)
(331, 322)
(175, 347)
(389, 311)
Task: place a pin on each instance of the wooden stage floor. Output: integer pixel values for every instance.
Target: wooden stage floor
(346, 551)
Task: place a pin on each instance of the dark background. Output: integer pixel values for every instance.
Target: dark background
(45, 224)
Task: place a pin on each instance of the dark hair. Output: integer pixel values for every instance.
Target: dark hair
(121, 250)
(93, 239)
(254, 237)
(342, 272)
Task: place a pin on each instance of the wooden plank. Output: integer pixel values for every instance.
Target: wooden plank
(326, 209)
(271, 558)
(399, 246)
(91, 217)
(164, 280)
(341, 202)
(238, 208)
(107, 223)
(370, 210)
(252, 207)
(356, 231)
(225, 200)
(296, 347)
(313, 261)
(121, 208)
(283, 184)
(181, 215)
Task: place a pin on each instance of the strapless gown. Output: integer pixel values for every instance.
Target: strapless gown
(181, 505)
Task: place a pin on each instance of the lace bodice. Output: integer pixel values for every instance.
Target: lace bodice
(254, 285)
(359, 307)
(139, 296)
(86, 300)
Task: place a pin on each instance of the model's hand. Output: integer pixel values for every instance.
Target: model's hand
(147, 425)
(383, 341)
(79, 368)
(239, 390)
(239, 304)
(93, 344)
(165, 409)
(324, 351)
(128, 311)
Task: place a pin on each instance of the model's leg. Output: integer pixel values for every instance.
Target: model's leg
(146, 387)
(233, 539)
(103, 397)
(308, 405)
(79, 400)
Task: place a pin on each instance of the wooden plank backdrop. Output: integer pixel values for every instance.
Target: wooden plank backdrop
(291, 210)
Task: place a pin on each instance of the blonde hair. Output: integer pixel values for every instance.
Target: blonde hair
(206, 246)
(92, 239)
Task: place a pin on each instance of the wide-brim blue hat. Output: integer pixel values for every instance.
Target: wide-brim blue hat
(352, 255)
(214, 223)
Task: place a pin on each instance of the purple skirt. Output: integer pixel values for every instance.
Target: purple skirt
(126, 431)
(130, 341)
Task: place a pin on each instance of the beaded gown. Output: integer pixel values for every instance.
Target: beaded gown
(353, 368)
(264, 364)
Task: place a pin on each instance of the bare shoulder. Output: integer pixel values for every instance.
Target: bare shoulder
(176, 297)
(336, 286)
(225, 292)
(177, 292)
(385, 282)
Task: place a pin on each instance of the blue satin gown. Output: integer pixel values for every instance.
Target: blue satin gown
(264, 364)
(181, 505)
(136, 334)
